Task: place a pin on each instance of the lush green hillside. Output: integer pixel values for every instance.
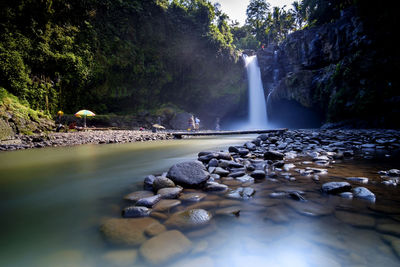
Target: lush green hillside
(117, 56)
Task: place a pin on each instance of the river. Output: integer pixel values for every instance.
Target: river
(53, 200)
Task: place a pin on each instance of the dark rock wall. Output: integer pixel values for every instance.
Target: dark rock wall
(331, 73)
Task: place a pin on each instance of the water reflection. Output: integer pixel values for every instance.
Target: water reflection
(51, 212)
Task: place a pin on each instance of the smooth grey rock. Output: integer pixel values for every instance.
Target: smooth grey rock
(135, 196)
(213, 186)
(149, 180)
(135, 212)
(220, 171)
(394, 172)
(230, 164)
(237, 174)
(162, 182)
(148, 201)
(258, 174)
(245, 179)
(233, 149)
(188, 219)
(263, 137)
(250, 146)
(243, 152)
(213, 163)
(189, 173)
(336, 187)
(224, 155)
(364, 193)
(169, 193)
(241, 193)
(361, 180)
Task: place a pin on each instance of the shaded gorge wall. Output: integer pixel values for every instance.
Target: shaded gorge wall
(340, 72)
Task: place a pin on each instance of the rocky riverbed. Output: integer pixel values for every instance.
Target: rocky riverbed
(80, 138)
(262, 191)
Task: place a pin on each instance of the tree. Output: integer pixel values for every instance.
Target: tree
(257, 11)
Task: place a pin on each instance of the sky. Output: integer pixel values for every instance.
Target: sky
(236, 9)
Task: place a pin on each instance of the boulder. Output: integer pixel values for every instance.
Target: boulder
(189, 173)
(164, 247)
(336, 187)
(189, 219)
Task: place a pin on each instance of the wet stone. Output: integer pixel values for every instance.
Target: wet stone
(221, 171)
(361, 180)
(192, 197)
(135, 196)
(189, 219)
(148, 201)
(273, 155)
(241, 193)
(126, 231)
(364, 193)
(165, 246)
(162, 182)
(169, 193)
(233, 149)
(190, 173)
(250, 146)
(213, 163)
(243, 152)
(245, 179)
(237, 174)
(166, 204)
(213, 186)
(135, 211)
(258, 174)
(394, 172)
(149, 180)
(336, 187)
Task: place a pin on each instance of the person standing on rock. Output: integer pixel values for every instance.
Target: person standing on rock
(217, 125)
(191, 123)
(197, 124)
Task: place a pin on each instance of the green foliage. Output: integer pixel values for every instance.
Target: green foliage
(115, 56)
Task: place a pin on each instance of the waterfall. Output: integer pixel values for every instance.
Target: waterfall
(258, 118)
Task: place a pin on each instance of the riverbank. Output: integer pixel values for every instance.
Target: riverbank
(276, 189)
(80, 138)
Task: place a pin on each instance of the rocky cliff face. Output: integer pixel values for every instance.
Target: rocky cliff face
(330, 73)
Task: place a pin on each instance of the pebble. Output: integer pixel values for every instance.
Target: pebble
(364, 193)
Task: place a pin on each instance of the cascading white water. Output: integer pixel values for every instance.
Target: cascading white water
(258, 118)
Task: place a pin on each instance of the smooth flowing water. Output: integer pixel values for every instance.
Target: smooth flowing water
(53, 201)
(257, 107)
